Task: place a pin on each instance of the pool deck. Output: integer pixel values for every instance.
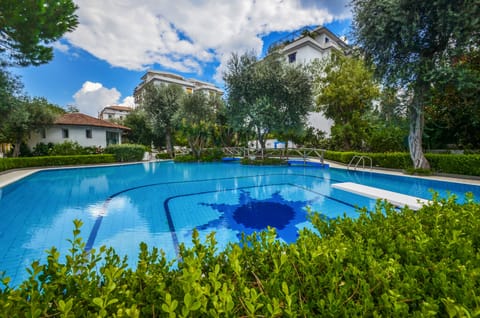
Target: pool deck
(11, 176)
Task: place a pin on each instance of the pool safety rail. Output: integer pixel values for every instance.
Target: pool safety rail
(356, 160)
(395, 198)
(305, 154)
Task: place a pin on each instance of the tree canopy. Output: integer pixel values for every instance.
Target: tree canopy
(345, 90)
(409, 41)
(266, 96)
(161, 102)
(28, 27)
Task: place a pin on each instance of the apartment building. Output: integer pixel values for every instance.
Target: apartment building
(189, 85)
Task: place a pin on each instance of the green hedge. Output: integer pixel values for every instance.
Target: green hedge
(384, 264)
(263, 162)
(444, 163)
(26, 162)
(127, 152)
(208, 155)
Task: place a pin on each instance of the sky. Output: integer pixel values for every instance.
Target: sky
(102, 61)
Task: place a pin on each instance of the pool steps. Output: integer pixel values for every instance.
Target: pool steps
(395, 198)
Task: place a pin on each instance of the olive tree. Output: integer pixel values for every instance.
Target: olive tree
(161, 102)
(266, 96)
(410, 41)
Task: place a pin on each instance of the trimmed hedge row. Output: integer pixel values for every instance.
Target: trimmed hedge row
(443, 163)
(126, 152)
(264, 162)
(27, 162)
(384, 264)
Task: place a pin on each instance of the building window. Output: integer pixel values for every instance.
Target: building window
(326, 40)
(292, 57)
(43, 133)
(65, 133)
(88, 133)
(112, 138)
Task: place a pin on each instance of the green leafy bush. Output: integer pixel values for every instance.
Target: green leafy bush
(445, 163)
(26, 162)
(385, 263)
(162, 155)
(42, 149)
(456, 164)
(185, 158)
(126, 152)
(207, 155)
(263, 162)
(67, 148)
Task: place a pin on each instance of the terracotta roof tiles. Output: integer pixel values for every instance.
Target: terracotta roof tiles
(78, 119)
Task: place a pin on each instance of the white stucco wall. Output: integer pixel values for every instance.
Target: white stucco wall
(75, 133)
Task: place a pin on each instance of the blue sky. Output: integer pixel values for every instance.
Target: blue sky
(102, 61)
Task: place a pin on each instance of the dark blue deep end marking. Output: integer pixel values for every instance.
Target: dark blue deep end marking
(260, 215)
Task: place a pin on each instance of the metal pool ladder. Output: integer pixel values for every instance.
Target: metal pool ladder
(359, 159)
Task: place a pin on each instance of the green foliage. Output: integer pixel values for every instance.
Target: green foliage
(413, 44)
(345, 87)
(208, 155)
(442, 163)
(66, 148)
(140, 129)
(126, 152)
(455, 164)
(385, 263)
(27, 29)
(196, 118)
(162, 155)
(266, 96)
(26, 162)
(263, 161)
(23, 116)
(453, 115)
(161, 104)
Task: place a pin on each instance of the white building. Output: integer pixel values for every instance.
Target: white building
(188, 85)
(304, 47)
(114, 112)
(76, 127)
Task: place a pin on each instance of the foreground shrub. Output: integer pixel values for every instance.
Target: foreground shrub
(26, 162)
(126, 152)
(384, 264)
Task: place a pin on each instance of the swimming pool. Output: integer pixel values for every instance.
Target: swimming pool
(160, 204)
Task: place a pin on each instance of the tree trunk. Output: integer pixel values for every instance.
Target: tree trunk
(415, 137)
(17, 145)
(168, 142)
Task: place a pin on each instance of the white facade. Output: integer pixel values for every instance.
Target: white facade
(188, 85)
(317, 44)
(86, 130)
(56, 135)
(114, 112)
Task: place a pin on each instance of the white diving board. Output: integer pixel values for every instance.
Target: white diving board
(395, 198)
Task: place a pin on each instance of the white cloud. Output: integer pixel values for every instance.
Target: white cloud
(62, 47)
(93, 97)
(187, 34)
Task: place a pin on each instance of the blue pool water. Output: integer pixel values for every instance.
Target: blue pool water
(161, 203)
